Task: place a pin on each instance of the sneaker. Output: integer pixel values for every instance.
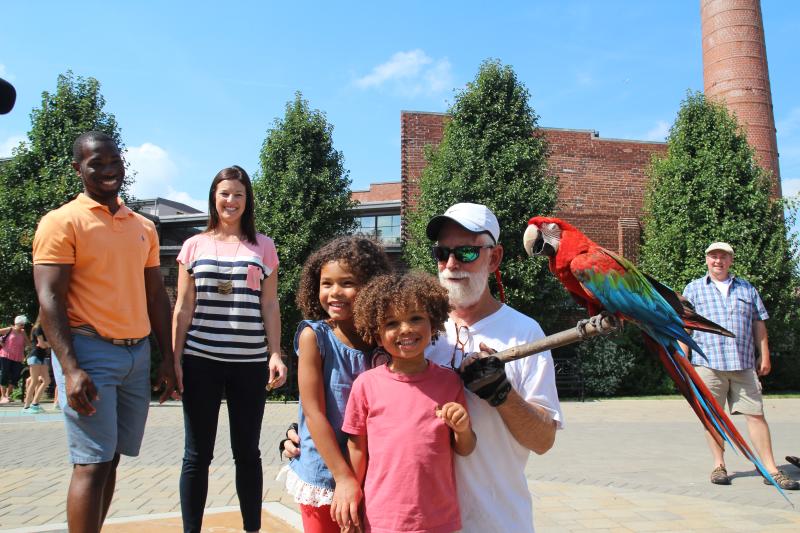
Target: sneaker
(26, 409)
(783, 481)
(36, 410)
(5, 399)
(719, 476)
(57, 407)
(793, 460)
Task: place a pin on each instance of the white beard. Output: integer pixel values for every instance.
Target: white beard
(464, 294)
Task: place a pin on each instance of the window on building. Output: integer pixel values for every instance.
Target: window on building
(385, 228)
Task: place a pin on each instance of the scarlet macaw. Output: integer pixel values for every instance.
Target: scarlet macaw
(600, 280)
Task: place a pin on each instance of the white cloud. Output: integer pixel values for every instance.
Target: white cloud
(410, 73)
(659, 132)
(154, 174)
(185, 198)
(153, 170)
(438, 77)
(790, 187)
(10, 143)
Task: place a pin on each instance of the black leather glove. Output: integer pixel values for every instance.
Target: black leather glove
(486, 377)
(282, 443)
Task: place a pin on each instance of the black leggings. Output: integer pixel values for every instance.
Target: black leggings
(244, 386)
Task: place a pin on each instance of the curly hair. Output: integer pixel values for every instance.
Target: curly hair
(400, 292)
(364, 259)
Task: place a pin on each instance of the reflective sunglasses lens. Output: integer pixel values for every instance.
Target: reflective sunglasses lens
(467, 254)
(440, 253)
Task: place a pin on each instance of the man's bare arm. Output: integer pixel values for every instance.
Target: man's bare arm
(158, 310)
(52, 284)
(764, 364)
(530, 424)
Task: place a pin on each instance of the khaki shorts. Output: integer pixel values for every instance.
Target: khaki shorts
(740, 388)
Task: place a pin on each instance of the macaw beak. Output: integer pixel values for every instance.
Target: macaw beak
(533, 241)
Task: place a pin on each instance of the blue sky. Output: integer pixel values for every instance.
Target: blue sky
(196, 85)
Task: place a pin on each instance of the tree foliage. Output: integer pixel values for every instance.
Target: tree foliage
(39, 178)
(709, 188)
(493, 154)
(302, 195)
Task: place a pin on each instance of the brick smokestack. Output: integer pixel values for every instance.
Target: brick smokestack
(735, 72)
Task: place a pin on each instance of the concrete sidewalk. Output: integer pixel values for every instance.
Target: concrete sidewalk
(619, 465)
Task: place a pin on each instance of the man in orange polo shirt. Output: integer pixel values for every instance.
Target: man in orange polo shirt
(96, 268)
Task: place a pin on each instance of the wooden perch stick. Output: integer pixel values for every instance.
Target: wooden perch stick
(607, 324)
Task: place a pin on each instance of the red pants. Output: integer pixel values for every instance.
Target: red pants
(318, 519)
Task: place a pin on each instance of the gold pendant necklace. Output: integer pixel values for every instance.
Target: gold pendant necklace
(226, 286)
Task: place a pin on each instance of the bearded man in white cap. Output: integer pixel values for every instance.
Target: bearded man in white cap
(731, 368)
(518, 411)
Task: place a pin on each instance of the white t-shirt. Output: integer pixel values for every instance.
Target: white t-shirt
(724, 285)
(492, 489)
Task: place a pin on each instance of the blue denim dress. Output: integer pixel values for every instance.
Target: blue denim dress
(340, 367)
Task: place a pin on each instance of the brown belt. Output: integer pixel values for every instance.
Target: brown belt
(89, 331)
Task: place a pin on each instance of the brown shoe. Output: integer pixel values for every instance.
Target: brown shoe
(719, 476)
(783, 481)
(794, 460)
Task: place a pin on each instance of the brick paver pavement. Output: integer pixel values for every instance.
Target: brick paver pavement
(620, 465)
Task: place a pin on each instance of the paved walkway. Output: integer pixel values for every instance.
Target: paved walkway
(621, 465)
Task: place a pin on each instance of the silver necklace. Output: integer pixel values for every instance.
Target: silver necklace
(226, 286)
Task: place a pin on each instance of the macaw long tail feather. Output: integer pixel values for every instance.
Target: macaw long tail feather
(705, 406)
(681, 382)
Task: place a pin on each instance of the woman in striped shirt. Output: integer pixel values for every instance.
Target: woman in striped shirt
(227, 343)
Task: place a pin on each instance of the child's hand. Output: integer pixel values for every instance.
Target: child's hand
(346, 499)
(455, 416)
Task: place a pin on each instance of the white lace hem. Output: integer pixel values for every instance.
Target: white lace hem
(305, 493)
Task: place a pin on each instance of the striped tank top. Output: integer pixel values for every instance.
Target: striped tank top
(227, 323)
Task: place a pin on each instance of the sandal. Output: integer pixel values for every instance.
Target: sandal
(783, 481)
(719, 476)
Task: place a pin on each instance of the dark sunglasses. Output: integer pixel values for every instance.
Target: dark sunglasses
(463, 254)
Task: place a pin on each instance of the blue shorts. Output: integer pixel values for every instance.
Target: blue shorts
(35, 360)
(121, 375)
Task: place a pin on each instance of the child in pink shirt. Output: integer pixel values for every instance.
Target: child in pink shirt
(407, 417)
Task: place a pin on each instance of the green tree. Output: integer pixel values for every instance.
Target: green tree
(302, 195)
(493, 154)
(39, 178)
(709, 188)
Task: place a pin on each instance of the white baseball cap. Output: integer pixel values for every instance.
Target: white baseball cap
(20, 319)
(722, 246)
(475, 218)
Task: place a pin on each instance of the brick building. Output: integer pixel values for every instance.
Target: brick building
(601, 181)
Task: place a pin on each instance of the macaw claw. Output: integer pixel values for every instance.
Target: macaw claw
(604, 323)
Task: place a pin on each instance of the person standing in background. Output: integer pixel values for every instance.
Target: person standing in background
(38, 363)
(12, 353)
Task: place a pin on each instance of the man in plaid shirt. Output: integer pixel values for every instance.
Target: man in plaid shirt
(730, 368)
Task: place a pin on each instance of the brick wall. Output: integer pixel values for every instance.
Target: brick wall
(601, 184)
(417, 131)
(378, 192)
(601, 181)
